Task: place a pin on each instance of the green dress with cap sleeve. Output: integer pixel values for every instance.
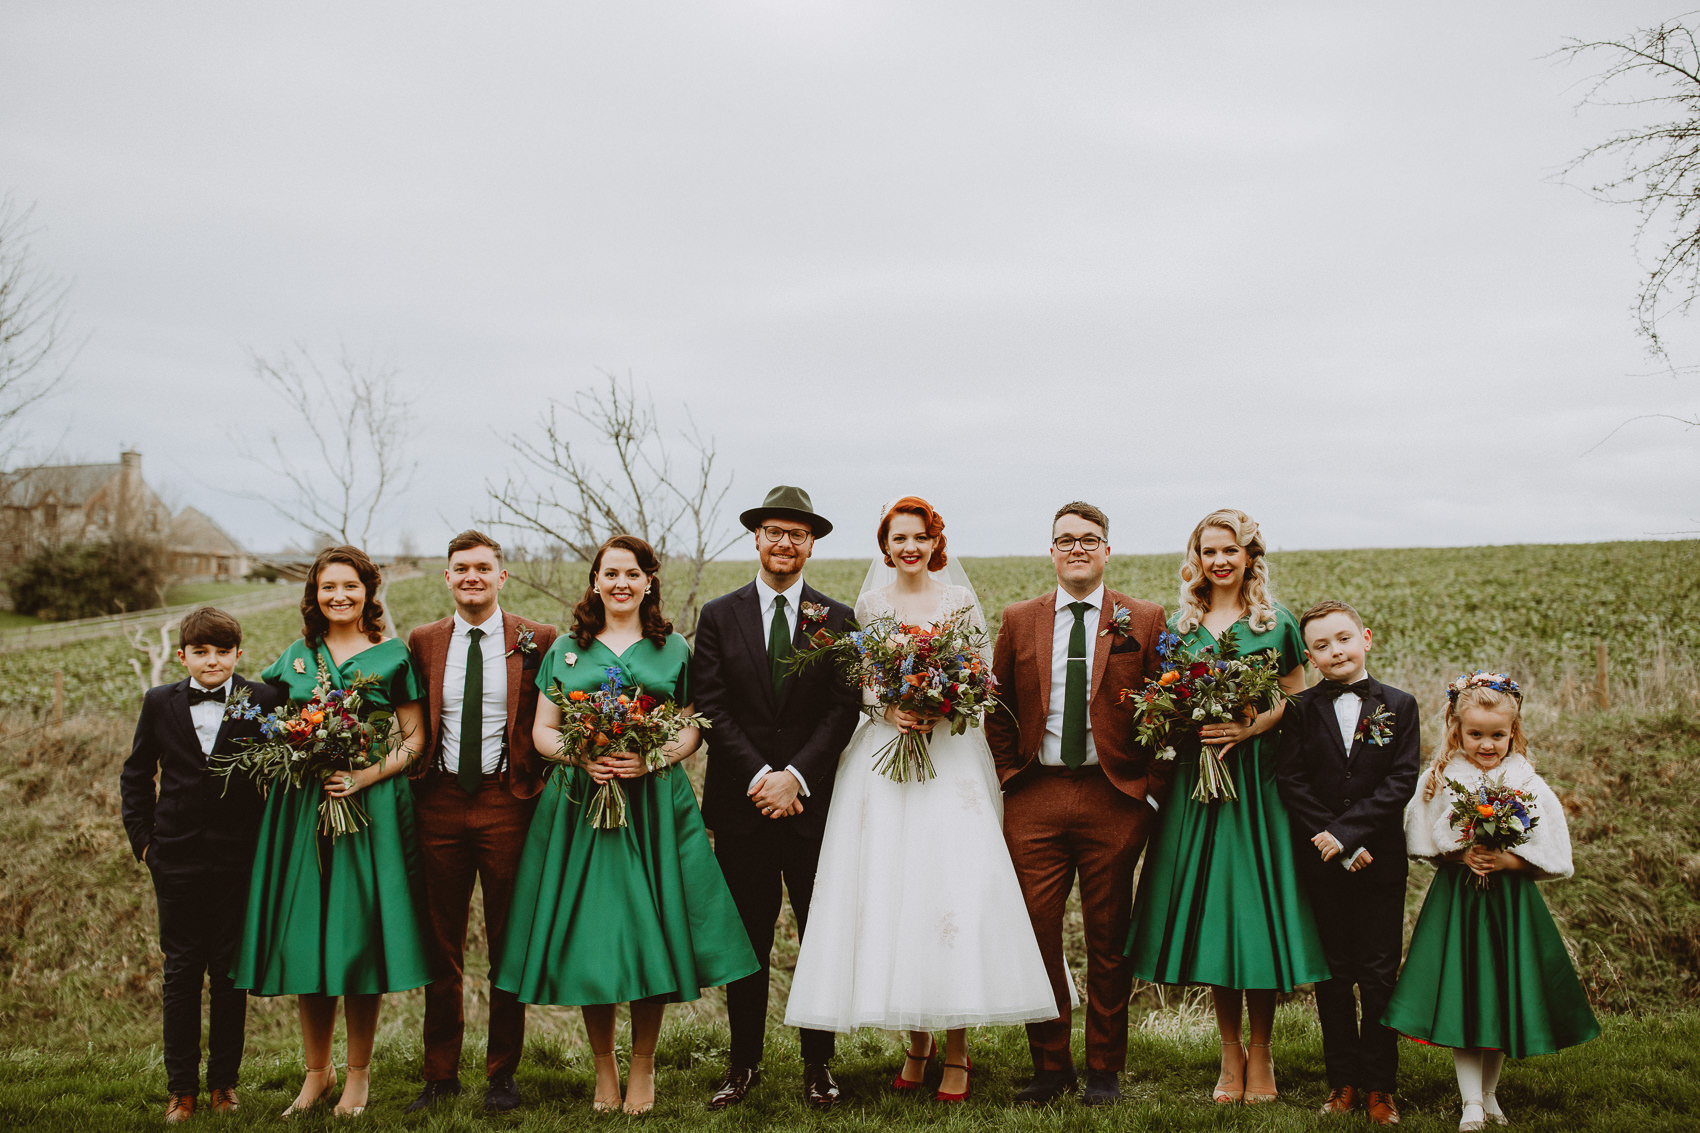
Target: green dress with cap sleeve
(336, 916)
(1219, 899)
(638, 912)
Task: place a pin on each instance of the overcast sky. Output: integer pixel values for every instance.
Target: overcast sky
(1305, 259)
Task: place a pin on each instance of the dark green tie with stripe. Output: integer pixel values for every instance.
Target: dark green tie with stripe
(778, 644)
(1074, 693)
(471, 772)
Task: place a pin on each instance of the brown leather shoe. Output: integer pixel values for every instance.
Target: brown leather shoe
(820, 1088)
(224, 1100)
(180, 1108)
(1344, 1099)
(1382, 1111)
(735, 1086)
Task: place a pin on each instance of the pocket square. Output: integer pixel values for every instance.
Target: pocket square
(530, 664)
(1125, 645)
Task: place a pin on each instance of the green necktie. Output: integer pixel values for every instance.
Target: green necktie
(1074, 693)
(778, 644)
(471, 771)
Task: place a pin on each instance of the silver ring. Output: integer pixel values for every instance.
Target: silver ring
(348, 782)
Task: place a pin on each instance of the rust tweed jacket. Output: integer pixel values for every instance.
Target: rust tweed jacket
(523, 768)
(1021, 660)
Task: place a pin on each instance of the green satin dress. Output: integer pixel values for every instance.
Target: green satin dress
(336, 916)
(1219, 899)
(1487, 968)
(638, 912)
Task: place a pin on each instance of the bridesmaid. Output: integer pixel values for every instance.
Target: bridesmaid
(638, 914)
(330, 917)
(1219, 900)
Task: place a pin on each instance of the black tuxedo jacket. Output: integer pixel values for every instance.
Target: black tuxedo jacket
(190, 820)
(1359, 795)
(806, 726)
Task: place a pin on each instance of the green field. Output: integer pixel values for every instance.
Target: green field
(78, 1005)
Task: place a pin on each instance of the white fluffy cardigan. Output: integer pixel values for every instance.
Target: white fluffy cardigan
(1429, 833)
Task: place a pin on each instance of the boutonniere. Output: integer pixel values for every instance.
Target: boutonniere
(813, 612)
(1377, 727)
(1121, 621)
(525, 645)
(301, 666)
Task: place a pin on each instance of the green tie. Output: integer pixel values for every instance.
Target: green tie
(471, 771)
(1074, 693)
(778, 644)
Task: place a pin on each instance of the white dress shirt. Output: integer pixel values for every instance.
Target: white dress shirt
(1347, 706)
(766, 594)
(1050, 745)
(208, 715)
(493, 714)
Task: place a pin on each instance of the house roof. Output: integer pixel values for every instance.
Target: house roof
(70, 484)
(195, 531)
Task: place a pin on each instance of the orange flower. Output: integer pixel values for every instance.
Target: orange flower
(316, 718)
(602, 740)
(1169, 677)
(1484, 810)
(576, 695)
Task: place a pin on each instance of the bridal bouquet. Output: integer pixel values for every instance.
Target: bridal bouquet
(615, 718)
(307, 745)
(939, 671)
(1212, 686)
(1493, 815)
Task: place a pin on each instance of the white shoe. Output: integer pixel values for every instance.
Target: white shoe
(1473, 1119)
(1491, 1113)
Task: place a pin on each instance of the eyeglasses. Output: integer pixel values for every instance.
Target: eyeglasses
(1069, 542)
(785, 535)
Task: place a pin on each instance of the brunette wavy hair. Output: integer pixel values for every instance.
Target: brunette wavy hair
(589, 616)
(314, 624)
(916, 506)
(1255, 592)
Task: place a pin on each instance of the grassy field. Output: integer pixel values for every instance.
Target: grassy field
(79, 1006)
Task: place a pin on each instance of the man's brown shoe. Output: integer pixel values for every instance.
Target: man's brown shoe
(735, 1086)
(224, 1100)
(1344, 1099)
(1382, 1111)
(180, 1108)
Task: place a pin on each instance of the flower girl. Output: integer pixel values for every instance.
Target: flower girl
(1487, 973)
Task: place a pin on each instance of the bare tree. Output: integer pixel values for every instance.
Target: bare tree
(158, 655)
(354, 455)
(33, 354)
(1654, 167)
(602, 468)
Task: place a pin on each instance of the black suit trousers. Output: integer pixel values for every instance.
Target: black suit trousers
(200, 923)
(1361, 919)
(759, 860)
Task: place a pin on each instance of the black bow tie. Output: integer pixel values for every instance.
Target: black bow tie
(197, 695)
(1334, 690)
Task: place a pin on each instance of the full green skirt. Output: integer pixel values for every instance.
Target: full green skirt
(1220, 901)
(1487, 968)
(608, 916)
(334, 916)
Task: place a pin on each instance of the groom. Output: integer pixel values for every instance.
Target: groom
(772, 754)
(1077, 790)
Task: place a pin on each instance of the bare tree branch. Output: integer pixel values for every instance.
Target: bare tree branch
(33, 325)
(566, 497)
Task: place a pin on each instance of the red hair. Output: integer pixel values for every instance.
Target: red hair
(916, 506)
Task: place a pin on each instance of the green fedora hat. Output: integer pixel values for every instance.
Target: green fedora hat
(789, 503)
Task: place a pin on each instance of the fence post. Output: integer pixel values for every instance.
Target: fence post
(58, 703)
(1602, 677)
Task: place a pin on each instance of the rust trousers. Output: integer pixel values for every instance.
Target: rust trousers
(1060, 824)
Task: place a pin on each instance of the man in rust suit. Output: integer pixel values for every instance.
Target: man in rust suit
(1079, 794)
(474, 796)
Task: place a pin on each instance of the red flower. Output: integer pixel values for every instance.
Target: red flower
(1197, 669)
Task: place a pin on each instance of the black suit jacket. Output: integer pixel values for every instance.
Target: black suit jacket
(1359, 795)
(190, 820)
(806, 726)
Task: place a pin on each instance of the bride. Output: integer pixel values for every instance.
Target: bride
(918, 922)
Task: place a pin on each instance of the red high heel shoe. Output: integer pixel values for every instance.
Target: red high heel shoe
(968, 1071)
(902, 1083)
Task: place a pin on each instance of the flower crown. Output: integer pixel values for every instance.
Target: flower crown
(1481, 678)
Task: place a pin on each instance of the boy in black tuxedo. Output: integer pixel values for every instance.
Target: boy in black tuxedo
(1348, 764)
(197, 840)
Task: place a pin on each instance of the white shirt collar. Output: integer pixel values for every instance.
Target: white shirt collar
(793, 594)
(492, 625)
(1094, 599)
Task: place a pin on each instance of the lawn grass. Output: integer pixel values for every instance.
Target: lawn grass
(1642, 1075)
(211, 593)
(11, 620)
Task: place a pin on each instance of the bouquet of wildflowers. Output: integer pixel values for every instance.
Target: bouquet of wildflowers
(939, 671)
(1493, 816)
(616, 718)
(308, 744)
(1212, 686)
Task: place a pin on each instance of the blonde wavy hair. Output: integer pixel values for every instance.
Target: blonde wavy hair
(1255, 592)
(1452, 744)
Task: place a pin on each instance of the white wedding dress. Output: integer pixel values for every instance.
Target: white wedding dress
(917, 921)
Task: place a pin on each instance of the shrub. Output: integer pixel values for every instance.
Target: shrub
(85, 580)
